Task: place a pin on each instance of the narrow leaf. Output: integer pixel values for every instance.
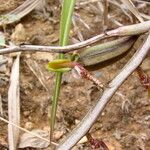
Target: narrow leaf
(65, 24)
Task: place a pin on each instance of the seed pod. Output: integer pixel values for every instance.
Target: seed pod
(106, 51)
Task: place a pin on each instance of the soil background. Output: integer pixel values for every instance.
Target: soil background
(125, 122)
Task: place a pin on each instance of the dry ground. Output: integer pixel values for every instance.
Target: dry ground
(124, 124)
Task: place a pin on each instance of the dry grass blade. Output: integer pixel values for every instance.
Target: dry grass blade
(30, 5)
(26, 131)
(19, 12)
(26, 4)
(78, 19)
(1, 106)
(34, 67)
(143, 1)
(122, 8)
(101, 10)
(145, 16)
(77, 30)
(80, 4)
(14, 105)
(133, 9)
(105, 15)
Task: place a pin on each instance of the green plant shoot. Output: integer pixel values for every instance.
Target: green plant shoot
(59, 65)
(65, 24)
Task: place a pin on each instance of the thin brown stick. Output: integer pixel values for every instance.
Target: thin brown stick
(87, 122)
(26, 131)
(81, 4)
(134, 29)
(105, 15)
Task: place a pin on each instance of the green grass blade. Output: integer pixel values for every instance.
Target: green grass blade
(65, 24)
(66, 16)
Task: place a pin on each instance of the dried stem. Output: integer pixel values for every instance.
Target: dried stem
(87, 122)
(135, 29)
(105, 15)
(26, 131)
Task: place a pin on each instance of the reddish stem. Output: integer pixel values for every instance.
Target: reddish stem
(87, 75)
(95, 143)
(144, 78)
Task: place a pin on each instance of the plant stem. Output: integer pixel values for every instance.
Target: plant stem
(65, 24)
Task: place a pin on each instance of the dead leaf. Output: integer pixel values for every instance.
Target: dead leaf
(19, 35)
(28, 140)
(14, 105)
(19, 12)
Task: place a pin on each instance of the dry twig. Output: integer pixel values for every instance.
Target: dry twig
(105, 15)
(134, 29)
(26, 131)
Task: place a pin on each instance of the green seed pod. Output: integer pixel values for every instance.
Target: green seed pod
(106, 51)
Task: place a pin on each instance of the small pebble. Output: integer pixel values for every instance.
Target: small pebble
(58, 134)
(29, 125)
(19, 35)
